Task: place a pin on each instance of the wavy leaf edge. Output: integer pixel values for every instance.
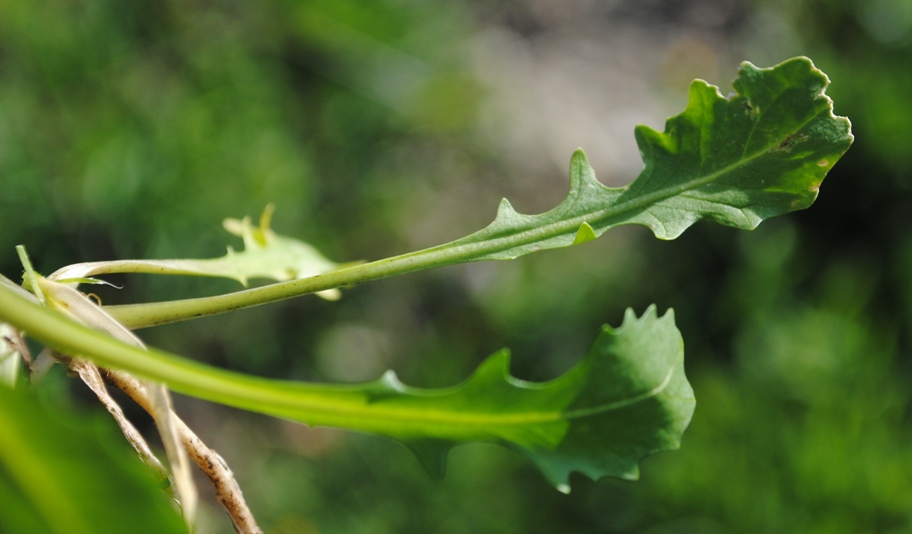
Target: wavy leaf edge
(591, 208)
(668, 389)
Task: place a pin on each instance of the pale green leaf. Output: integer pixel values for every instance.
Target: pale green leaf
(265, 255)
(62, 473)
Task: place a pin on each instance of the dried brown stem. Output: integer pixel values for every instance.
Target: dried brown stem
(12, 341)
(89, 374)
(227, 491)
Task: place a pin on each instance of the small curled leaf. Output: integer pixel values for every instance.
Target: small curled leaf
(265, 255)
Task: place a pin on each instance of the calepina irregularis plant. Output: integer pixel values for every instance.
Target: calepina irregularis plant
(759, 152)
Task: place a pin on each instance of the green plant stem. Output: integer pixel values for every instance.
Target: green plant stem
(326, 404)
(135, 316)
(736, 160)
(343, 406)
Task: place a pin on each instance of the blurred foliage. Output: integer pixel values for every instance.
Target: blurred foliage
(131, 129)
(66, 472)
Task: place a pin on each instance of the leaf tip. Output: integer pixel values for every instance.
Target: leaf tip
(630, 315)
(579, 154)
(331, 295)
(391, 380)
(581, 172)
(505, 209)
(652, 311)
(495, 369)
(266, 216)
(583, 234)
(233, 226)
(432, 454)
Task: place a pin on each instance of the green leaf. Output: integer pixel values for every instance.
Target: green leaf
(266, 255)
(627, 398)
(737, 160)
(62, 473)
(760, 152)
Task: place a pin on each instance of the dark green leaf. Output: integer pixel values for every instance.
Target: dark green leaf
(628, 398)
(737, 160)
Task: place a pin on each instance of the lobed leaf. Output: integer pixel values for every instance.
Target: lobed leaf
(760, 152)
(627, 398)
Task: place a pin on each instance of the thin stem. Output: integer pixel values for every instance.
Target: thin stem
(135, 316)
(91, 376)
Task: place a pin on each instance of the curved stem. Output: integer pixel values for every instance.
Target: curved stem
(135, 316)
(69, 337)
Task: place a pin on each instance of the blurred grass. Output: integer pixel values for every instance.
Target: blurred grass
(132, 129)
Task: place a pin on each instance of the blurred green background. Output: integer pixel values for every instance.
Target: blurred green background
(130, 129)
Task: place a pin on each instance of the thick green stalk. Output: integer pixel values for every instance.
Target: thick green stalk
(348, 406)
(185, 376)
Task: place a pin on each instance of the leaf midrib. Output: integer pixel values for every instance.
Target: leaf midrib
(520, 417)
